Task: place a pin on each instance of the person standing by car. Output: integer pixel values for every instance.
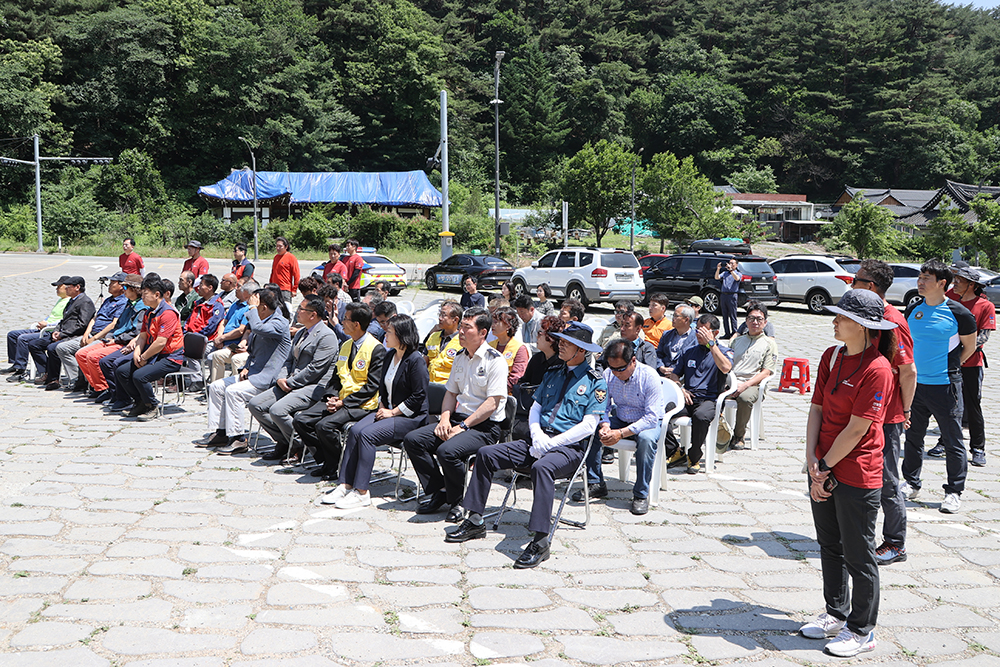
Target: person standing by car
(544, 304)
(730, 278)
(844, 458)
(334, 264)
(471, 298)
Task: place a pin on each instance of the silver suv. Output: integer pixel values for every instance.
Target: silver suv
(589, 274)
(815, 280)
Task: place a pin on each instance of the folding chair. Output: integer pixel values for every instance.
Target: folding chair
(435, 399)
(673, 398)
(195, 345)
(578, 474)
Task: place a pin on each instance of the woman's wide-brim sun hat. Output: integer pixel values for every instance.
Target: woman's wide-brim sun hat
(864, 307)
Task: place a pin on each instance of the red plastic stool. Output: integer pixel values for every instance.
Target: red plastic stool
(800, 380)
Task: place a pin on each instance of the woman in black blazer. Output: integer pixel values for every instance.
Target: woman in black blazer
(402, 407)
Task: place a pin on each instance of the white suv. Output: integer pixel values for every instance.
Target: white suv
(815, 280)
(588, 274)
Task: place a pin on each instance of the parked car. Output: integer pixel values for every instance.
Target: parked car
(490, 271)
(693, 274)
(992, 289)
(904, 284)
(377, 267)
(588, 274)
(731, 246)
(815, 280)
(648, 260)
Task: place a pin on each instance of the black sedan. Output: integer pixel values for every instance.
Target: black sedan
(491, 272)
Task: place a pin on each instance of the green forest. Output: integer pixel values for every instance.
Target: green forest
(802, 97)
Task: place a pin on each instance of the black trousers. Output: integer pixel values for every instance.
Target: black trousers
(972, 396)
(893, 502)
(702, 413)
(323, 431)
(944, 402)
(555, 464)
(440, 465)
(845, 530)
(728, 305)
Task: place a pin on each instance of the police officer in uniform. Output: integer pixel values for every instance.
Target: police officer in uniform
(568, 405)
(473, 407)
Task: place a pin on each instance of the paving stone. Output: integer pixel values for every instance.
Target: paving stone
(136, 550)
(67, 502)
(305, 661)
(18, 611)
(490, 598)
(239, 572)
(107, 589)
(38, 528)
(229, 617)
(193, 553)
(643, 623)
(725, 647)
(426, 575)
(990, 640)
(443, 620)
(177, 662)
(313, 555)
(50, 633)
(266, 640)
(789, 601)
(943, 618)
(493, 645)
(332, 572)
(17, 586)
(151, 567)
(412, 596)
(683, 600)
(571, 563)
(52, 565)
(607, 651)
(698, 579)
(150, 610)
(929, 644)
(142, 641)
(489, 559)
(746, 621)
(292, 594)
(368, 647)
(958, 578)
(803, 579)
(204, 592)
(89, 518)
(981, 660)
(77, 657)
(102, 534)
(270, 540)
(22, 547)
(397, 559)
(560, 618)
(613, 599)
(325, 617)
(660, 561)
(203, 535)
(206, 507)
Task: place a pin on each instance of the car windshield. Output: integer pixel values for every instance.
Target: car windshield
(619, 260)
(377, 259)
(850, 265)
(758, 268)
(497, 262)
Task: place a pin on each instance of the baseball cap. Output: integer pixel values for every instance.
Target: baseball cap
(695, 301)
(62, 281)
(193, 244)
(119, 277)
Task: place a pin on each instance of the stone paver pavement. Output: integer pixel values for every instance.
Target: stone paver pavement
(122, 544)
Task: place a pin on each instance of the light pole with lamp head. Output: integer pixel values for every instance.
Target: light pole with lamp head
(631, 234)
(496, 102)
(253, 166)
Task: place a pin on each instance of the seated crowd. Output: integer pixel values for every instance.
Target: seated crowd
(507, 383)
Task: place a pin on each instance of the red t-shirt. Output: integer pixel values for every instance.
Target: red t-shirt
(285, 272)
(354, 262)
(331, 267)
(985, 314)
(198, 267)
(864, 382)
(131, 263)
(904, 355)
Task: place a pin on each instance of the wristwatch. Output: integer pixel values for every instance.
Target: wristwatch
(463, 426)
(710, 343)
(823, 467)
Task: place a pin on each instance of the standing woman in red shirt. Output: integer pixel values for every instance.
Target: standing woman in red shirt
(285, 269)
(844, 442)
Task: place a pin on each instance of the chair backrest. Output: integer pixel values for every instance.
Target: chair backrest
(435, 397)
(405, 308)
(673, 397)
(424, 325)
(195, 345)
(510, 410)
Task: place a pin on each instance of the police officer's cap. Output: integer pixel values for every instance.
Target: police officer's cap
(580, 335)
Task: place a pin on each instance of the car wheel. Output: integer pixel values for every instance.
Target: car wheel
(431, 281)
(910, 298)
(574, 291)
(519, 288)
(816, 301)
(711, 299)
(394, 292)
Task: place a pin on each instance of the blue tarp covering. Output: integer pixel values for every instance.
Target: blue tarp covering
(387, 188)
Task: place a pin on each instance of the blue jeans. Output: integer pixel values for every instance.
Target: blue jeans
(17, 348)
(645, 457)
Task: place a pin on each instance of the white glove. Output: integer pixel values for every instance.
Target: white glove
(540, 446)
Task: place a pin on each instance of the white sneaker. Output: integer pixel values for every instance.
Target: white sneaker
(847, 644)
(332, 497)
(909, 492)
(951, 504)
(353, 500)
(822, 627)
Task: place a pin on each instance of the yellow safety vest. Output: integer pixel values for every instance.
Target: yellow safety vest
(441, 360)
(509, 352)
(354, 378)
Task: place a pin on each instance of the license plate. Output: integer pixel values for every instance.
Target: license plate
(762, 288)
(624, 277)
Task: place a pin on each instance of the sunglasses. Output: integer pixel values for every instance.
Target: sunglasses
(861, 280)
(619, 369)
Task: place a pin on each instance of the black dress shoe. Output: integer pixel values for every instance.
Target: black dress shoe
(599, 490)
(137, 409)
(455, 514)
(534, 554)
(640, 506)
(608, 455)
(12, 369)
(53, 386)
(434, 505)
(80, 385)
(218, 439)
(237, 446)
(17, 375)
(467, 531)
(276, 455)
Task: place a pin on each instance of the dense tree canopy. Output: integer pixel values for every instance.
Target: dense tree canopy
(891, 93)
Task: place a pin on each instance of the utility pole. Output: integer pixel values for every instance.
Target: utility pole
(253, 166)
(631, 235)
(496, 102)
(37, 164)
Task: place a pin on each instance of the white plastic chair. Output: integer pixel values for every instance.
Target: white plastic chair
(424, 325)
(756, 416)
(405, 308)
(673, 398)
(684, 426)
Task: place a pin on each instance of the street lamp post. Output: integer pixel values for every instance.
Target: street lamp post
(631, 234)
(253, 166)
(496, 102)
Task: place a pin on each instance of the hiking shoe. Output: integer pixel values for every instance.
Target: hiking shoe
(694, 468)
(909, 492)
(822, 626)
(951, 504)
(847, 644)
(936, 452)
(677, 459)
(887, 554)
(978, 458)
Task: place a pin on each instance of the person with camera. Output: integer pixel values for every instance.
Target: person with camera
(844, 442)
(730, 278)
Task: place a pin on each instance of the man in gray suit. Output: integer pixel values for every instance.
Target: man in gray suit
(302, 380)
(269, 346)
